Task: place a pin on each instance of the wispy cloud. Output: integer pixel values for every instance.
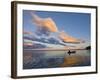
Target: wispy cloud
(27, 32)
(44, 25)
(50, 25)
(67, 38)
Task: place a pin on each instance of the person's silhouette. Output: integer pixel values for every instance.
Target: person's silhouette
(69, 52)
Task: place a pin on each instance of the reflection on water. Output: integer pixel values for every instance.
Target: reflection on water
(52, 59)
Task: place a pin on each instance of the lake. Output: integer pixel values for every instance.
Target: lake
(52, 59)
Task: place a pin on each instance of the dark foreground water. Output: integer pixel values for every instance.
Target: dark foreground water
(52, 59)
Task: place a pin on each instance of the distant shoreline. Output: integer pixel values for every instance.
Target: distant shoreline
(52, 49)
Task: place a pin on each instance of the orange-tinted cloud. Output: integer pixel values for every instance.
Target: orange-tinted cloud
(47, 23)
(66, 38)
(50, 25)
(36, 20)
(28, 44)
(27, 32)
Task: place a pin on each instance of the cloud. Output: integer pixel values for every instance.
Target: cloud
(50, 25)
(28, 44)
(27, 32)
(66, 38)
(42, 31)
(44, 25)
(36, 20)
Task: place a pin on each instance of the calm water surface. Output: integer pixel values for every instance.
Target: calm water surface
(52, 59)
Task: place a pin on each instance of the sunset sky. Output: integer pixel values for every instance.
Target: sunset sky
(76, 25)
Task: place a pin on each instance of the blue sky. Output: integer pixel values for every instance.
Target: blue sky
(74, 24)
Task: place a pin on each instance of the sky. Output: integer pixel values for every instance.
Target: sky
(75, 24)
